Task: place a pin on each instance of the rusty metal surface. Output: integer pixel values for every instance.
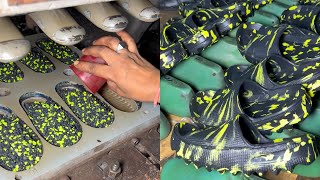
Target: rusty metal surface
(134, 165)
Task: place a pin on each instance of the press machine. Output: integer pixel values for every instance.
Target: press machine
(95, 145)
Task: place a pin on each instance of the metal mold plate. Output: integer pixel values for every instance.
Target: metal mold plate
(7, 10)
(55, 158)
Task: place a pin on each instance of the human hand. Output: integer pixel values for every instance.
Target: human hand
(126, 72)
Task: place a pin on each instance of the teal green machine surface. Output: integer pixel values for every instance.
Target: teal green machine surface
(175, 96)
(165, 126)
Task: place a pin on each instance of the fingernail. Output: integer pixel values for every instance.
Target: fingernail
(76, 63)
(83, 50)
(94, 41)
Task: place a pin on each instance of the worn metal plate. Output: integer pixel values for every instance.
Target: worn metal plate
(134, 165)
(9, 10)
(54, 158)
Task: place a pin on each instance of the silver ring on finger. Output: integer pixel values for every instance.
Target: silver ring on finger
(121, 45)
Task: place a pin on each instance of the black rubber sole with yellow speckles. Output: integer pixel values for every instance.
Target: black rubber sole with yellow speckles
(277, 71)
(257, 4)
(56, 125)
(20, 147)
(38, 62)
(60, 52)
(172, 51)
(304, 16)
(183, 37)
(310, 2)
(238, 146)
(10, 73)
(225, 19)
(269, 110)
(89, 109)
(300, 44)
(256, 42)
(245, 7)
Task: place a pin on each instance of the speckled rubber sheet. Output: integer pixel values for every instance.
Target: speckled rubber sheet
(105, 132)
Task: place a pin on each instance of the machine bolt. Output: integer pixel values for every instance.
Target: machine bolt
(115, 167)
(114, 170)
(135, 141)
(17, 177)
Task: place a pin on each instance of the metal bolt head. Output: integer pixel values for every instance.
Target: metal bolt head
(115, 166)
(135, 141)
(114, 170)
(17, 177)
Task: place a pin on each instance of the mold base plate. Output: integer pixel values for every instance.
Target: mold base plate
(55, 158)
